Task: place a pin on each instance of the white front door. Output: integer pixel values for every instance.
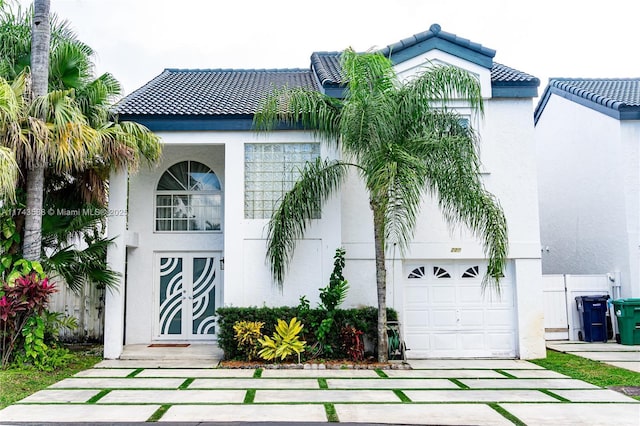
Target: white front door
(187, 290)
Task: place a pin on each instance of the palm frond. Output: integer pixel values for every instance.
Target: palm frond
(453, 178)
(95, 97)
(437, 85)
(69, 142)
(307, 108)
(369, 113)
(8, 174)
(127, 144)
(78, 267)
(395, 180)
(15, 39)
(75, 222)
(9, 105)
(297, 208)
(367, 74)
(69, 65)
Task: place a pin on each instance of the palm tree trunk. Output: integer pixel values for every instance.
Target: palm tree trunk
(40, 37)
(32, 242)
(381, 281)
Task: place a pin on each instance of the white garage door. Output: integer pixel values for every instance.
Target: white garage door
(447, 316)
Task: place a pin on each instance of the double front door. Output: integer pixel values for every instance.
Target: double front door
(187, 290)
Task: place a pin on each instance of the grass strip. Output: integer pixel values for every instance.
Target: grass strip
(507, 415)
(323, 383)
(403, 397)
(459, 383)
(18, 383)
(257, 374)
(186, 383)
(590, 371)
(332, 415)
(97, 396)
(504, 373)
(159, 413)
(381, 373)
(135, 372)
(553, 395)
(249, 396)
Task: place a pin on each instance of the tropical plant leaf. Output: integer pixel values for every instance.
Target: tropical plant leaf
(318, 181)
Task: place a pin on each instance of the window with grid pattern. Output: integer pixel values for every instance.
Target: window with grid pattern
(270, 170)
(188, 198)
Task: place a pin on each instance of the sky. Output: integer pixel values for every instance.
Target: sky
(136, 39)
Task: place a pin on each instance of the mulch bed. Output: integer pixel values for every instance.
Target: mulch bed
(318, 365)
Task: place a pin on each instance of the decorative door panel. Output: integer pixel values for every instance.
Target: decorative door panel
(186, 296)
(171, 296)
(203, 299)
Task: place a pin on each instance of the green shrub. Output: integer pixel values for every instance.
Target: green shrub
(365, 319)
(331, 297)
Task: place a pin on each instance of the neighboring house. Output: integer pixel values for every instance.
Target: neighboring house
(195, 231)
(588, 147)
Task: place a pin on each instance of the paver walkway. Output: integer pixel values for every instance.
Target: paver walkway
(447, 392)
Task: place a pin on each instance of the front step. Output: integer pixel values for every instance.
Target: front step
(204, 352)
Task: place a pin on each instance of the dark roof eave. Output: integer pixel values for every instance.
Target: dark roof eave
(616, 110)
(173, 123)
(515, 89)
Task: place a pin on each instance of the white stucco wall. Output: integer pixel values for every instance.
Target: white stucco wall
(588, 171)
(114, 312)
(246, 278)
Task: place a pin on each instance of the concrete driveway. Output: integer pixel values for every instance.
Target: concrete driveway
(446, 392)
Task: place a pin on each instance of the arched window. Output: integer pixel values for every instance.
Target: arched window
(188, 198)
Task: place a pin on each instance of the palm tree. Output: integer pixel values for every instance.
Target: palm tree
(118, 145)
(121, 144)
(404, 144)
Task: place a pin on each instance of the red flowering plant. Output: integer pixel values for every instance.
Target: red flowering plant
(25, 298)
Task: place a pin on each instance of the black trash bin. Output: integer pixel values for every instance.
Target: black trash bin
(593, 318)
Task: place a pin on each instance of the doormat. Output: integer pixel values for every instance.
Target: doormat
(169, 345)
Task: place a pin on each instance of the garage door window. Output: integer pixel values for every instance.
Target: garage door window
(417, 273)
(438, 272)
(472, 272)
(441, 273)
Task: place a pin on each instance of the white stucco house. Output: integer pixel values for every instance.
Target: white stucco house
(190, 233)
(588, 148)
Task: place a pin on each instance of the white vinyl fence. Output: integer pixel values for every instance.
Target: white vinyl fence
(561, 316)
(87, 307)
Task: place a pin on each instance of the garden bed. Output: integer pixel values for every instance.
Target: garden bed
(320, 365)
